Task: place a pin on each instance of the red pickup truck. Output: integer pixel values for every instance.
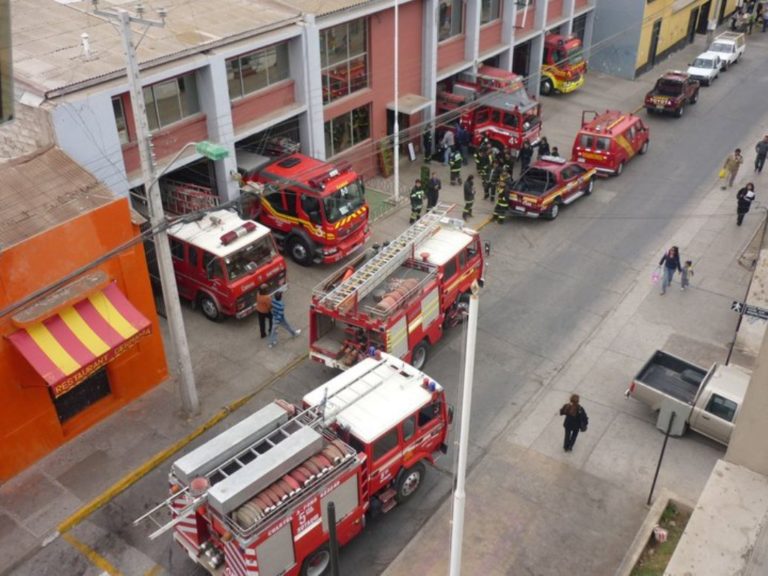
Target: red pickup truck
(673, 90)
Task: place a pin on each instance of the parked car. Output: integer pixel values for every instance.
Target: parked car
(673, 90)
(609, 140)
(706, 67)
(730, 47)
(549, 184)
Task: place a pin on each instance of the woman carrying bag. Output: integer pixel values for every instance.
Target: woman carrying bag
(576, 420)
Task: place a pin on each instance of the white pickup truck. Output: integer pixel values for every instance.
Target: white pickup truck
(730, 47)
(710, 399)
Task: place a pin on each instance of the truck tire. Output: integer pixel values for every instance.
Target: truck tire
(644, 147)
(419, 355)
(546, 86)
(590, 187)
(209, 308)
(619, 169)
(409, 482)
(680, 111)
(695, 97)
(318, 563)
(300, 250)
(553, 211)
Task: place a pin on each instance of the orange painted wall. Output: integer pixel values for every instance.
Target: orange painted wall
(29, 427)
(490, 35)
(263, 103)
(554, 10)
(168, 141)
(450, 52)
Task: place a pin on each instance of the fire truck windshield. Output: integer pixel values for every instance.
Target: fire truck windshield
(249, 258)
(574, 56)
(343, 202)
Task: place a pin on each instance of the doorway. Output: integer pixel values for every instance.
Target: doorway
(701, 27)
(521, 60)
(654, 45)
(692, 20)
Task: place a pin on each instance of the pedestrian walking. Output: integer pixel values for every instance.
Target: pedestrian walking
(526, 154)
(761, 149)
(543, 147)
(469, 196)
(426, 143)
(686, 274)
(433, 191)
(417, 201)
(744, 198)
(455, 164)
(731, 167)
(264, 310)
(279, 319)
(669, 263)
(501, 207)
(765, 20)
(576, 420)
(448, 142)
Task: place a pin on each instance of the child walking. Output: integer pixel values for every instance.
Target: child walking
(685, 275)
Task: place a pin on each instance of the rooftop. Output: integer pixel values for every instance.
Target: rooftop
(42, 191)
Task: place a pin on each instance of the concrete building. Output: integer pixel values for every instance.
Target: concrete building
(631, 37)
(243, 75)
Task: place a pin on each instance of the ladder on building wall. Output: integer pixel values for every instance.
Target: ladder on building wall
(370, 275)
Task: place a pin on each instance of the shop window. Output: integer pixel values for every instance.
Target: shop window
(257, 70)
(489, 11)
(120, 122)
(170, 101)
(347, 130)
(450, 19)
(344, 59)
(88, 392)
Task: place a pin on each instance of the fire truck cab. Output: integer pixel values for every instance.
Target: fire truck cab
(316, 210)
(564, 66)
(221, 260)
(507, 116)
(253, 501)
(609, 140)
(401, 299)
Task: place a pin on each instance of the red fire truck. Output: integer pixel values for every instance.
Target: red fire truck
(316, 210)
(564, 66)
(401, 299)
(493, 104)
(220, 260)
(253, 501)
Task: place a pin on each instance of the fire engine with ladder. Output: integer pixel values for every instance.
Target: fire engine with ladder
(402, 298)
(253, 500)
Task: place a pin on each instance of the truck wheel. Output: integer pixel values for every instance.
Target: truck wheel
(644, 147)
(553, 211)
(590, 187)
(680, 111)
(409, 482)
(695, 97)
(546, 86)
(300, 251)
(209, 307)
(318, 563)
(619, 169)
(419, 356)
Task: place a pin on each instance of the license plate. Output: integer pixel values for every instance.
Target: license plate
(519, 208)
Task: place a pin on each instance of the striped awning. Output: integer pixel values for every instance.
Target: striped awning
(72, 344)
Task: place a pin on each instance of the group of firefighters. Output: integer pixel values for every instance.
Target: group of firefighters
(494, 168)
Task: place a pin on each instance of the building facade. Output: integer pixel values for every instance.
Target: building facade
(75, 345)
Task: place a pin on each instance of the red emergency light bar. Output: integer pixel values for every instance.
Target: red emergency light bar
(238, 232)
(320, 182)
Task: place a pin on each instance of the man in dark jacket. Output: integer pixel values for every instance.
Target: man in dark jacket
(417, 201)
(469, 196)
(762, 151)
(433, 191)
(426, 142)
(526, 153)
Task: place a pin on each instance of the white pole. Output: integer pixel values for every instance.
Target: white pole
(184, 372)
(396, 126)
(459, 495)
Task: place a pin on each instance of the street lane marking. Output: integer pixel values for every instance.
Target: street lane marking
(92, 556)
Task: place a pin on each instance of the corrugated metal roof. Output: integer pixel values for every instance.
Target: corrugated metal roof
(47, 48)
(42, 191)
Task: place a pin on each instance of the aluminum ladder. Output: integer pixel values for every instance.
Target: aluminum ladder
(368, 276)
(313, 417)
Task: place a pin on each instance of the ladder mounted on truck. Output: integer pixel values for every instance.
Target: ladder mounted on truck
(313, 417)
(370, 274)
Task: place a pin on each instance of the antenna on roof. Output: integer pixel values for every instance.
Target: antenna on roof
(85, 42)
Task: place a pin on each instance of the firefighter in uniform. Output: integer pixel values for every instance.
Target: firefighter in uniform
(489, 192)
(417, 201)
(502, 204)
(455, 162)
(427, 143)
(469, 196)
(501, 185)
(481, 159)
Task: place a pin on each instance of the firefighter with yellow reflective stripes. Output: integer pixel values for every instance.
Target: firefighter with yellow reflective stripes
(502, 183)
(417, 201)
(482, 160)
(469, 196)
(456, 161)
(502, 204)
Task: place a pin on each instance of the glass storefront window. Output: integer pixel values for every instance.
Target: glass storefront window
(170, 101)
(347, 130)
(344, 59)
(257, 70)
(450, 19)
(489, 11)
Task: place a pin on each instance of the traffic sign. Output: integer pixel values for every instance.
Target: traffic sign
(749, 310)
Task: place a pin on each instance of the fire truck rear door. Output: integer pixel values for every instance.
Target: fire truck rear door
(430, 308)
(275, 554)
(397, 338)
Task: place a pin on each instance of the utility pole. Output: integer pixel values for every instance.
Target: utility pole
(185, 375)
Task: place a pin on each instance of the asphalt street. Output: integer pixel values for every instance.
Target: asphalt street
(550, 287)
